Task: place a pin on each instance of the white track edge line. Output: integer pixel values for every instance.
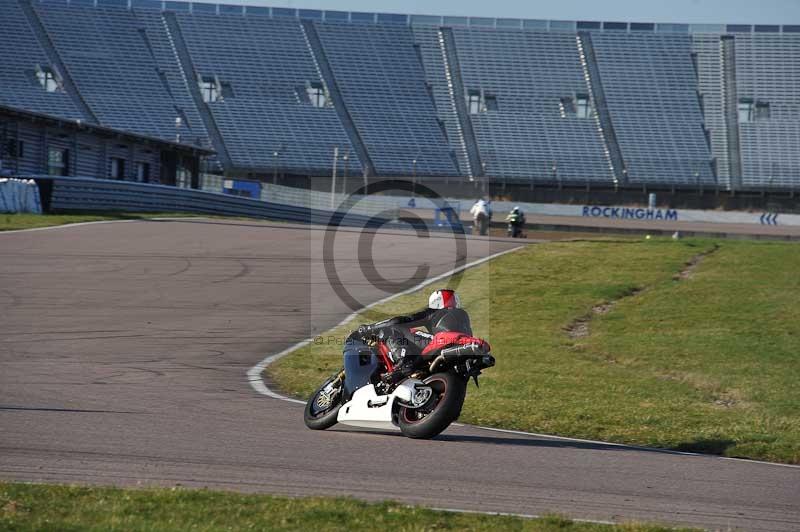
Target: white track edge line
(523, 516)
(63, 226)
(257, 382)
(96, 222)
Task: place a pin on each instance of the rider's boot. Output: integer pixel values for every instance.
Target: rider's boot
(404, 367)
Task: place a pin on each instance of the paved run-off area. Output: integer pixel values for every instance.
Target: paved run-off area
(124, 353)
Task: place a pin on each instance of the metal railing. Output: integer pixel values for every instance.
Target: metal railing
(62, 194)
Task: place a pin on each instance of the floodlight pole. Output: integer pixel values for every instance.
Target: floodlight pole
(346, 159)
(414, 177)
(333, 180)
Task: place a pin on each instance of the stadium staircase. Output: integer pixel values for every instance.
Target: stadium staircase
(604, 124)
(455, 86)
(731, 110)
(326, 72)
(190, 75)
(55, 60)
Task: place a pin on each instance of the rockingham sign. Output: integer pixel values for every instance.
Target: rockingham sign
(630, 213)
(664, 215)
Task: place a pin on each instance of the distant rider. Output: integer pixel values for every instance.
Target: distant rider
(481, 213)
(516, 222)
(444, 314)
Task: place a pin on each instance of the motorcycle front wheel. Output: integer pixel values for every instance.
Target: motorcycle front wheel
(443, 407)
(322, 408)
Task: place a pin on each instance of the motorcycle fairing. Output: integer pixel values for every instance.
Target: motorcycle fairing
(360, 363)
(370, 410)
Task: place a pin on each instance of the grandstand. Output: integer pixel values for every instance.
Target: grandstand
(273, 91)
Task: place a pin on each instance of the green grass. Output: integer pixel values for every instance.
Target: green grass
(11, 222)
(708, 363)
(32, 507)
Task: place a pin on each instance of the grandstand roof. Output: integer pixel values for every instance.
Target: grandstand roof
(465, 21)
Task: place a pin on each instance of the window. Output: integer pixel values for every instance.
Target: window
(183, 177)
(579, 106)
(117, 168)
(746, 110)
(567, 107)
(583, 108)
(762, 111)
(209, 89)
(490, 102)
(57, 161)
(227, 90)
(474, 102)
(316, 95)
(15, 149)
(751, 110)
(142, 172)
(47, 79)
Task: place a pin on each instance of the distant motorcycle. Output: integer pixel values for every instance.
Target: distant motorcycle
(422, 405)
(516, 221)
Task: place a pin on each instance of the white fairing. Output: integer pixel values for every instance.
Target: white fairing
(367, 409)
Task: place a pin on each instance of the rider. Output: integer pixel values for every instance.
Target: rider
(517, 220)
(482, 214)
(444, 314)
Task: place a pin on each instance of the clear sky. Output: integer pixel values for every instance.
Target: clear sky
(690, 11)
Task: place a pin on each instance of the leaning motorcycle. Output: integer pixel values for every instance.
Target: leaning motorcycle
(421, 406)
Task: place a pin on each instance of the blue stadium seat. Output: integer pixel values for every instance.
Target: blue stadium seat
(768, 70)
(20, 52)
(651, 89)
(382, 82)
(109, 60)
(671, 107)
(267, 63)
(527, 138)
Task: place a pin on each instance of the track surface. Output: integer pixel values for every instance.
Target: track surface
(123, 359)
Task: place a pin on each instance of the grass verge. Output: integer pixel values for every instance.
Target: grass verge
(25, 507)
(626, 342)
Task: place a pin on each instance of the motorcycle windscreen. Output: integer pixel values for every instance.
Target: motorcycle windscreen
(360, 363)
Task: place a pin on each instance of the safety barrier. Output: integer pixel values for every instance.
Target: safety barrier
(88, 194)
(371, 205)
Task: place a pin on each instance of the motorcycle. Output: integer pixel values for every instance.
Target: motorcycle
(421, 406)
(515, 224)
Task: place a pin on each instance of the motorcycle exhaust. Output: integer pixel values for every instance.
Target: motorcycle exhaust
(450, 353)
(461, 351)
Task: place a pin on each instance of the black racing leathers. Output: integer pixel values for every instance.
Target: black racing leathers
(406, 347)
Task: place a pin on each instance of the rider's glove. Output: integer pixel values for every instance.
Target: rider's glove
(365, 331)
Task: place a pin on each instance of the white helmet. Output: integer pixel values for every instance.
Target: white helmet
(444, 299)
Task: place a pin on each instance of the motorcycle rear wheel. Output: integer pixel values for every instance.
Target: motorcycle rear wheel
(444, 407)
(321, 414)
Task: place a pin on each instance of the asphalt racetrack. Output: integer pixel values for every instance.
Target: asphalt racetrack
(123, 358)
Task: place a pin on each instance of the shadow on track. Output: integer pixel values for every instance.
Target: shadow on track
(530, 441)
